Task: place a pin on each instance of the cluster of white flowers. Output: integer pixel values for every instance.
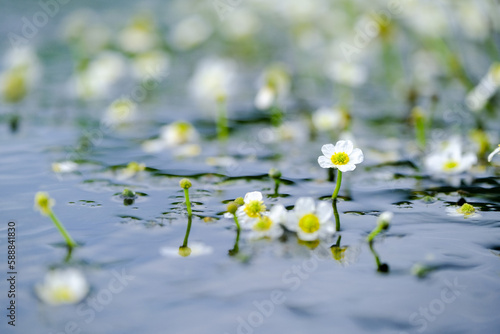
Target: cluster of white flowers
(311, 221)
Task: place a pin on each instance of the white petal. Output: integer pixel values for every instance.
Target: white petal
(492, 154)
(328, 150)
(307, 236)
(347, 168)
(344, 146)
(356, 157)
(291, 222)
(304, 205)
(278, 214)
(324, 162)
(324, 211)
(326, 230)
(469, 160)
(253, 196)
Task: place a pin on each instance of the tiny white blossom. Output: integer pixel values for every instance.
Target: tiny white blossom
(342, 156)
(450, 160)
(268, 224)
(311, 221)
(63, 286)
(492, 154)
(64, 167)
(252, 208)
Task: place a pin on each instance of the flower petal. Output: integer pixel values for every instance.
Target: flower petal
(328, 150)
(347, 168)
(345, 146)
(324, 211)
(278, 214)
(304, 205)
(324, 162)
(307, 236)
(253, 196)
(356, 157)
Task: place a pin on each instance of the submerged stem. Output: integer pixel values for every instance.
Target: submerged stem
(188, 230)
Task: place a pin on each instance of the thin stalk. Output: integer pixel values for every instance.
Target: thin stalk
(188, 203)
(71, 243)
(375, 255)
(237, 224)
(188, 230)
(337, 218)
(337, 187)
(222, 124)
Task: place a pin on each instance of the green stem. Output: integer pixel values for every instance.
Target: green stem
(222, 127)
(237, 223)
(375, 255)
(337, 244)
(276, 186)
(337, 218)
(337, 188)
(71, 243)
(188, 203)
(373, 234)
(188, 230)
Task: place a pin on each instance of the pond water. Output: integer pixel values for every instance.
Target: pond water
(129, 251)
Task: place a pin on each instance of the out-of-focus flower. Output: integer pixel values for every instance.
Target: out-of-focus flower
(466, 211)
(252, 208)
(191, 32)
(473, 20)
(121, 111)
(181, 136)
(268, 224)
(425, 18)
(274, 87)
(139, 36)
(450, 160)
(63, 286)
(64, 167)
(311, 221)
(342, 156)
(44, 203)
(133, 168)
(492, 154)
(152, 64)
(347, 73)
(22, 72)
(327, 119)
(241, 24)
(213, 81)
(95, 79)
(477, 98)
(83, 30)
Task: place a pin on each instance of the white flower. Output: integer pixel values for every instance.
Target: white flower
(213, 80)
(63, 286)
(64, 167)
(347, 73)
(180, 136)
(450, 160)
(95, 80)
(274, 86)
(252, 208)
(385, 218)
(139, 36)
(121, 111)
(311, 221)
(342, 156)
(22, 72)
(268, 224)
(325, 119)
(466, 211)
(492, 154)
(151, 65)
(190, 32)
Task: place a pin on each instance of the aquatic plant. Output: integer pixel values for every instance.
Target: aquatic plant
(63, 286)
(311, 221)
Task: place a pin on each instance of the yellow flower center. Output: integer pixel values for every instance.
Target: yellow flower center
(466, 209)
(63, 294)
(450, 164)
(254, 208)
(309, 223)
(263, 224)
(338, 253)
(340, 158)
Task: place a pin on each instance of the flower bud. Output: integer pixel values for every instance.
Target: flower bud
(239, 201)
(185, 183)
(44, 203)
(184, 251)
(274, 173)
(232, 207)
